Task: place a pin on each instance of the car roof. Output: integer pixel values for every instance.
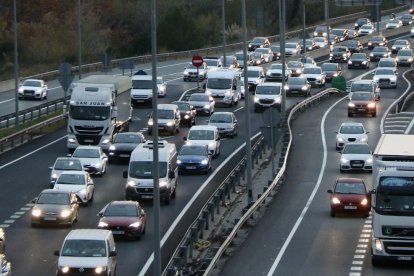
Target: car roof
(363, 81)
(222, 113)
(203, 127)
(88, 234)
(123, 202)
(167, 106)
(350, 179)
(74, 172)
(270, 84)
(87, 147)
(352, 124)
(254, 68)
(54, 191)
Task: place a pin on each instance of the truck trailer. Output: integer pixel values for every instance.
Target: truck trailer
(392, 236)
(99, 107)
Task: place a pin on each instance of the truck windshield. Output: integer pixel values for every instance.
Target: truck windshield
(92, 113)
(395, 196)
(219, 83)
(143, 169)
(142, 84)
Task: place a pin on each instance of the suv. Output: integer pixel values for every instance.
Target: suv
(370, 86)
(91, 251)
(193, 73)
(255, 75)
(168, 119)
(321, 30)
(267, 95)
(339, 54)
(213, 63)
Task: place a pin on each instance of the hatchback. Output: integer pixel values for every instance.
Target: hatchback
(350, 132)
(194, 158)
(93, 159)
(225, 122)
(356, 156)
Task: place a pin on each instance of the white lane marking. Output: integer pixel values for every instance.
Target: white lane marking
(14, 217)
(5, 101)
(186, 208)
(30, 153)
(238, 109)
(409, 127)
(19, 213)
(4, 225)
(315, 189)
(9, 221)
(354, 274)
(357, 262)
(25, 208)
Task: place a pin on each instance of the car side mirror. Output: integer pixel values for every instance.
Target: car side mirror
(100, 214)
(69, 155)
(56, 253)
(112, 254)
(33, 200)
(125, 174)
(51, 168)
(330, 191)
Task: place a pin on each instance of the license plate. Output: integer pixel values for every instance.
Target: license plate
(357, 165)
(190, 167)
(146, 196)
(118, 232)
(405, 258)
(350, 207)
(88, 140)
(124, 155)
(361, 109)
(49, 218)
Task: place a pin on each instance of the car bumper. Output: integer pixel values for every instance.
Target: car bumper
(51, 220)
(258, 106)
(138, 194)
(351, 208)
(124, 231)
(192, 167)
(361, 110)
(352, 165)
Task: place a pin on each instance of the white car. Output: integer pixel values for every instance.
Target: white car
(308, 61)
(393, 24)
(350, 132)
(255, 76)
(93, 159)
(386, 77)
(192, 73)
(367, 29)
(274, 73)
(356, 156)
(162, 87)
(64, 164)
(203, 103)
(314, 75)
(204, 135)
(321, 41)
(292, 49)
(267, 53)
(412, 32)
(33, 89)
(79, 182)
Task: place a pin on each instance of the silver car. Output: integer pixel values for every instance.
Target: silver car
(64, 164)
(203, 103)
(79, 182)
(93, 159)
(350, 132)
(356, 156)
(225, 122)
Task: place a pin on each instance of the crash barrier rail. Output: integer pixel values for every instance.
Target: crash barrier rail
(404, 100)
(194, 237)
(28, 134)
(214, 207)
(409, 98)
(278, 180)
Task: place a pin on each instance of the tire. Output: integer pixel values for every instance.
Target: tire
(149, 132)
(341, 170)
(375, 261)
(349, 114)
(332, 213)
(167, 200)
(218, 152)
(91, 199)
(374, 114)
(145, 229)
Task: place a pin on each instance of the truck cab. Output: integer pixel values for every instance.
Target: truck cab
(141, 91)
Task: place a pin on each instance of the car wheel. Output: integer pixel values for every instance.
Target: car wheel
(149, 132)
(332, 213)
(144, 229)
(349, 114)
(91, 199)
(374, 114)
(167, 200)
(341, 170)
(218, 151)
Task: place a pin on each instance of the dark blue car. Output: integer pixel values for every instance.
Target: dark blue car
(194, 158)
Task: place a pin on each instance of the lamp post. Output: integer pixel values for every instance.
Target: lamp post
(16, 65)
(223, 25)
(304, 26)
(79, 39)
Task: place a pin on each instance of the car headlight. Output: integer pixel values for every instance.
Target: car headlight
(356, 25)
(257, 81)
(256, 99)
(286, 87)
(397, 59)
(97, 165)
(344, 160)
(106, 141)
(364, 139)
(208, 92)
(371, 105)
(54, 176)
(204, 162)
(71, 140)
(65, 213)
(36, 212)
(364, 62)
(369, 160)
(364, 202)
(227, 93)
(393, 78)
(100, 269)
(38, 91)
(335, 74)
(102, 224)
(131, 183)
(331, 55)
(340, 139)
(335, 200)
(278, 100)
(349, 61)
(169, 123)
(351, 104)
(410, 59)
(315, 33)
(371, 55)
(83, 191)
(150, 123)
(64, 269)
(378, 245)
(179, 161)
(135, 224)
(186, 73)
(381, 43)
(163, 183)
(385, 55)
(369, 43)
(161, 88)
(304, 87)
(250, 45)
(186, 116)
(211, 144)
(207, 106)
(344, 55)
(393, 47)
(376, 78)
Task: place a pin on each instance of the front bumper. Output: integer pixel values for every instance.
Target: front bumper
(53, 219)
(358, 165)
(144, 193)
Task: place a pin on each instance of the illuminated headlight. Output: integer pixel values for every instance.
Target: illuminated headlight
(364, 202)
(393, 78)
(64, 269)
(304, 87)
(371, 105)
(331, 55)
(257, 81)
(369, 160)
(36, 212)
(376, 79)
(268, 74)
(356, 25)
(369, 43)
(277, 100)
(83, 191)
(351, 104)
(335, 74)
(54, 176)
(324, 34)
(21, 90)
(381, 43)
(378, 245)
(410, 59)
(186, 117)
(335, 200)
(179, 161)
(364, 139)
(161, 88)
(250, 45)
(100, 269)
(204, 162)
(38, 91)
(65, 213)
(340, 139)
(256, 99)
(371, 54)
(287, 87)
(315, 33)
(131, 183)
(344, 160)
(310, 48)
(97, 165)
(349, 61)
(397, 59)
(112, 147)
(106, 141)
(102, 224)
(208, 92)
(299, 71)
(186, 73)
(71, 140)
(135, 224)
(169, 123)
(227, 93)
(385, 55)
(211, 145)
(344, 55)
(163, 183)
(364, 62)
(207, 106)
(150, 123)
(393, 47)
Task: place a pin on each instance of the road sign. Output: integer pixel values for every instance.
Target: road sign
(197, 61)
(65, 76)
(358, 2)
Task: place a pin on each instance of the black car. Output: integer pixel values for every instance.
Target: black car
(358, 60)
(354, 46)
(276, 51)
(187, 112)
(123, 145)
(377, 41)
(298, 85)
(296, 67)
(406, 19)
(360, 22)
(339, 54)
(342, 34)
(321, 30)
(331, 70)
(378, 53)
(400, 44)
(258, 42)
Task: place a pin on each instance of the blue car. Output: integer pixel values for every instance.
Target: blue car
(194, 158)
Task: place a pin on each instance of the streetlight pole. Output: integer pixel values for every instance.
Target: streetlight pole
(79, 39)
(16, 65)
(327, 19)
(223, 25)
(304, 26)
(282, 54)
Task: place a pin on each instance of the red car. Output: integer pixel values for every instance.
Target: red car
(350, 195)
(125, 219)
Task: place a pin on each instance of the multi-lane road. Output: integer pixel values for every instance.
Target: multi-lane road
(319, 245)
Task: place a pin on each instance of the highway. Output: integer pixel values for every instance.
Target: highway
(24, 173)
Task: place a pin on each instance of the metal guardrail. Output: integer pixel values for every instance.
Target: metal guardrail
(409, 97)
(399, 105)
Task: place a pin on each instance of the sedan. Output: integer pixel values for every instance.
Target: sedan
(225, 122)
(360, 22)
(362, 103)
(123, 144)
(377, 41)
(314, 75)
(79, 182)
(350, 132)
(356, 156)
(187, 112)
(350, 196)
(354, 46)
(405, 57)
(194, 158)
(258, 58)
(331, 70)
(125, 219)
(258, 42)
(342, 34)
(386, 77)
(379, 52)
(393, 24)
(339, 54)
(274, 73)
(295, 67)
(93, 159)
(292, 49)
(406, 19)
(310, 44)
(55, 207)
(308, 61)
(298, 85)
(321, 41)
(352, 34)
(203, 103)
(276, 51)
(358, 60)
(64, 164)
(267, 54)
(366, 29)
(400, 44)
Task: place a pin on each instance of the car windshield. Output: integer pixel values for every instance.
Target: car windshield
(121, 210)
(361, 87)
(214, 83)
(199, 98)
(294, 64)
(291, 45)
(384, 71)
(201, 134)
(193, 150)
(307, 60)
(68, 165)
(321, 28)
(142, 84)
(406, 16)
(92, 113)
(400, 42)
(143, 169)
(159, 81)
(319, 39)
(361, 97)
(165, 114)
(257, 55)
(31, 83)
(339, 50)
(239, 56)
(337, 32)
(404, 53)
(394, 21)
(267, 90)
(71, 179)
(86, 153)
(356, 149)
(253, 73)
(262, 50)
(127, 138)
(367, 27)
(351, 43)
(380, 49)
(211, 62)
(220, 118)
(352, 130)
(362, 21)
(300, 81)
(312, 70)
(377, 39)
(53, 198)
(350, 188)
(258, 40)
(358, 56)
(276, 66)
(84, 248)
(386, 63)
(182, 106)
(395, 196)
(309, 42)
(191, 66)
(329, 67)
(275, 48)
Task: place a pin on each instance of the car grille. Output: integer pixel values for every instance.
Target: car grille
(28, 92)
(398, 231)
(351, 139)
(218, 97)
(118, 228)
(385, 81)
(399, 247)
(81, 271)
(88, 130)
(191, 163)
(276, 74)
(357, 164)
(139, 97)
(311, 79)
(147, 190)
(265, 101)
(361, 105)
(88, 139)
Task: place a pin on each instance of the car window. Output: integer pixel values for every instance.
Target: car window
(86, 153)
(71, 179)
(350, 188)
(356, 149)
(53, 198)
(68, 165)
(352, 130)
(201, 134)
(192, 150)
(121, 210)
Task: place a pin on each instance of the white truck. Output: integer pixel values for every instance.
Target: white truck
(99, 107)
(393, 199)
(224, 86)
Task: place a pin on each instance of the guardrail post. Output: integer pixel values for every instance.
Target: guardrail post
(205, 217)
(200, 222)
(211, 210)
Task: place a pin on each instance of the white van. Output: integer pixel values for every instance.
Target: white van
(267, 94)
(87, 251)
(224, 86)
(169, 119)
(204, 135)
(140, 182)
(141, 91)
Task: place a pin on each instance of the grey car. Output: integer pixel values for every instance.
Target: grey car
(93, 159)
(123, 144)
(405, 57)
(225, 122)
(331, 70)
(203, 103)
(64, 164)
(298, 85)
